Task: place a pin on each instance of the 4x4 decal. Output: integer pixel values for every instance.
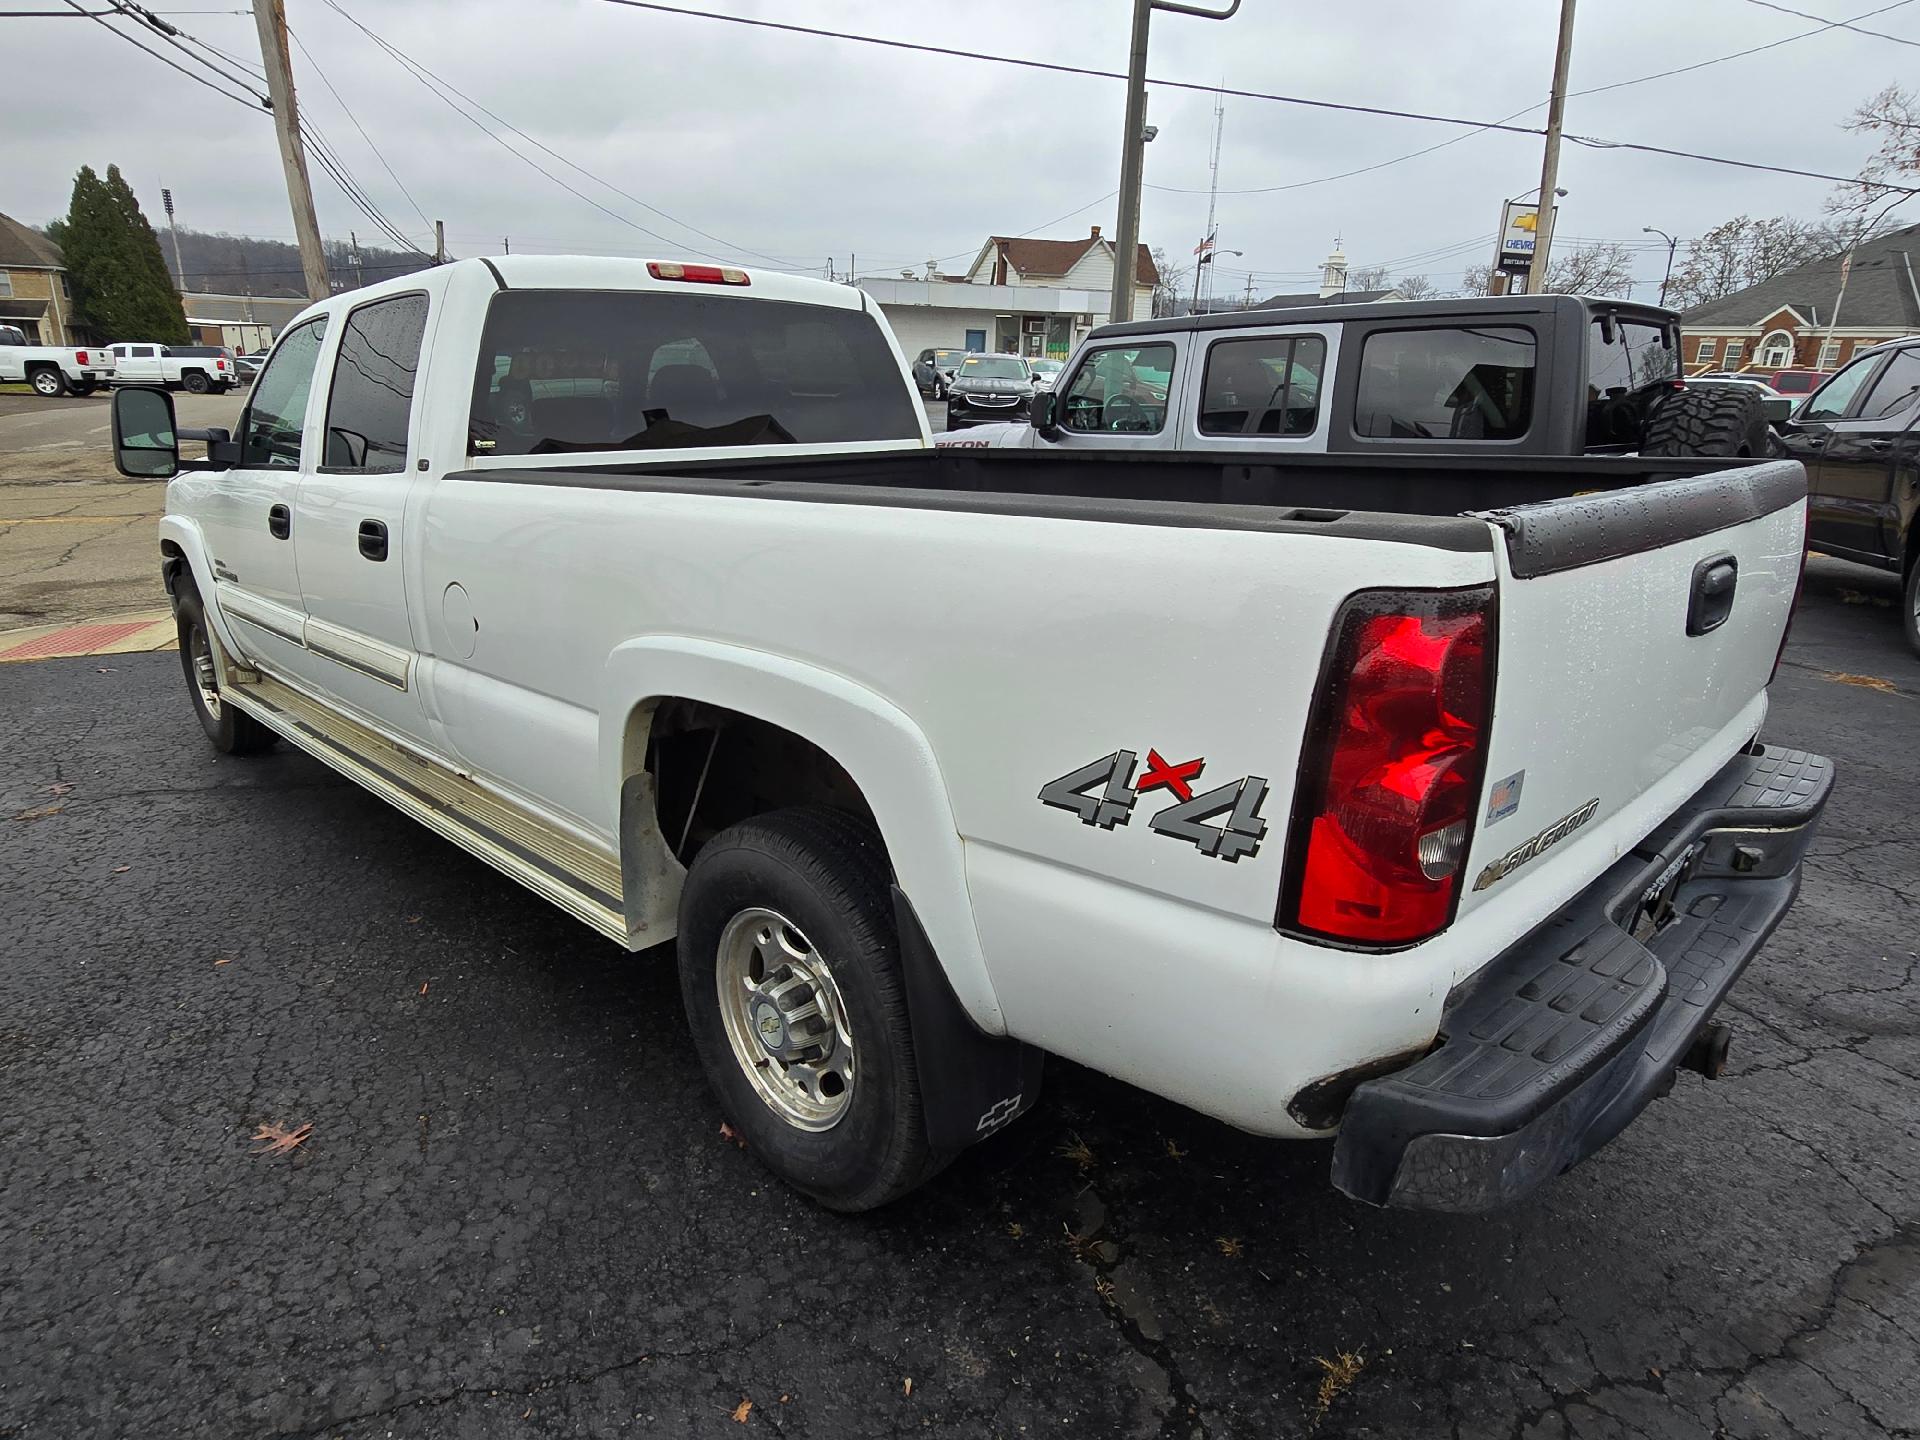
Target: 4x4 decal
(1104, 793)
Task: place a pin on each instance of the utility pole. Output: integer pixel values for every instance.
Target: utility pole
(439, 242)
(166, 201)
(270, 18)
(1550, 160)
(1133, 150)
(506, 244)
(353, 249)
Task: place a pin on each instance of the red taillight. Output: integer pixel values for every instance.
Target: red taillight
(1391, 773)
(698, 274)
(219, 364)
(79, 357)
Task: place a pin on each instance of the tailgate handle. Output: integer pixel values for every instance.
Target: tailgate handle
(1712, 597)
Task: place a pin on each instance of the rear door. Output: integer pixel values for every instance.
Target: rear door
(1626, 672)
(350, 523)
(1262, 389)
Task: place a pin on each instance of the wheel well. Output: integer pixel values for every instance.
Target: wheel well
(1913, 546)
(713, 767)
(173, 560)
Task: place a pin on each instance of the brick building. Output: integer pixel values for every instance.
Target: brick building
(1801, 319)
(33, 287)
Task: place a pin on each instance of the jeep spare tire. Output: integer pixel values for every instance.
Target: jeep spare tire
(1707, 420)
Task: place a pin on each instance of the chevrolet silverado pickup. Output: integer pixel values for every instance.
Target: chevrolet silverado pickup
(53, 370)
(1514, 375)
(1395, 796)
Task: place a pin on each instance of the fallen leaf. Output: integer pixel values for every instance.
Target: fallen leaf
(785, 1398)
(1341, 1372)
(223, 960)
(742, 1410)
(907, 1388)
(279, 1140)
(1174, 1152)
(1103, 1287)
(42, 813)
(1016, 1229)
(527, 1413)
(423, 987)
(727, 1132)
(121, 869)
(1230, 1246)
(60, 787)
(103, 670)
(413, 919)
(1078, 1151)
(1838, 677)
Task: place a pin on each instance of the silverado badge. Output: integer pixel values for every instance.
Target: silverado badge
(1527, 849)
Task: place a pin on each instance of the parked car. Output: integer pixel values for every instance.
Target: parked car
(1462, 831)
(1797, 382)
(933, 371)
(1859, 437)
(247, 367)
(1777, 406)
(1528, 374)
(197, 369)
(52, 370)
(986, 388)
(1045, 372)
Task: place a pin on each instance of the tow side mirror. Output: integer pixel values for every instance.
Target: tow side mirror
(1040, 415)
(145, 444)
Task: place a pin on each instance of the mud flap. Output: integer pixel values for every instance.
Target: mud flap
(971, 1083)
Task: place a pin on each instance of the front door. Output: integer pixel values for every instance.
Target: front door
(1833, 522)
(977, 340)
(350, 520)
(248, 510)
(1119, 397)
(1862, 456)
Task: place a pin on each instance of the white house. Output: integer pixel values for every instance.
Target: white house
(1025, 296)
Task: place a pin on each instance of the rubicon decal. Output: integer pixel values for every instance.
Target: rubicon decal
(1104, 793)
(1529, 848)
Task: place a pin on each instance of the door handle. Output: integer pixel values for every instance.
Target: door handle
(279, 522)
(1714, 581)
(373, 539)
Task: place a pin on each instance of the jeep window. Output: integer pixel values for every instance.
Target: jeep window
(1123, 388)
(1264, 386)
(1836, 397)
(566, 371)
(1446, 384)
(1638, 354)
(371, 401)
(277, 411)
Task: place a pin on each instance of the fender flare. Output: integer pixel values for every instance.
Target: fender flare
(186, 535)
(877, 743)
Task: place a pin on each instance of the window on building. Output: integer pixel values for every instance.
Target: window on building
(1268, 386)
(371, 400)
(1829, 354)
(1734, 348)
(1706, 351)
(6, 282)
(65, 293)
(277, 410)
(1453, 384)
(1776, 350)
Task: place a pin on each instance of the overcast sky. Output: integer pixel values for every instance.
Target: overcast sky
(799, 147)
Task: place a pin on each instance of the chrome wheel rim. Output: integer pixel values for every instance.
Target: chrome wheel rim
(206, 678)
(785, 1019)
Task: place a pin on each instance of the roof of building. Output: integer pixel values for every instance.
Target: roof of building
(241, 310)
(1049, 258)
(27, 248)
(1314, 297)
(1882, 289)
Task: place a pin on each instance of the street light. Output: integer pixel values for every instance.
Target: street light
(1206, 258)
(1672, 244)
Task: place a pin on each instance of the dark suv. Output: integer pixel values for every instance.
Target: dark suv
(1857, 437)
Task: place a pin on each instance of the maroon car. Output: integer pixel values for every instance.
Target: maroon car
(1798, 382)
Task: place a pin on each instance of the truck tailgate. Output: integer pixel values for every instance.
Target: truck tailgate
(1637, 631)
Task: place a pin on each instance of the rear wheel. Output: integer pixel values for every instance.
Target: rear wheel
(80, 388)
(48, 382)
(1707, 420)
(231, 731)
(790, 969)
(195, 382)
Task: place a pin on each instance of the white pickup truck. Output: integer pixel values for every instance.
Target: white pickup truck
(53, 370)
(197, 369)
(1400, 798)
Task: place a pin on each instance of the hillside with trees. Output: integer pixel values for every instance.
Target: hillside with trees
(222, 264)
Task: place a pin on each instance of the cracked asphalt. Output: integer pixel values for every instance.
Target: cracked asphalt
(516, 1215)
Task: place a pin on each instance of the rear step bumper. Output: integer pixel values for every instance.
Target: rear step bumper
(1549, 1051)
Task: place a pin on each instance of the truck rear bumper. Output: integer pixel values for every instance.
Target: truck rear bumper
(1550, 1050)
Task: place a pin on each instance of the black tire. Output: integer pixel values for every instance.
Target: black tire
(80, 389)
(827, 873)
(195, 382)
(231, 732)
(1910, 595)
(47, 382)
(1707, 420)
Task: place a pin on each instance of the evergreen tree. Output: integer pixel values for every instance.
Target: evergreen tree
(121, 287)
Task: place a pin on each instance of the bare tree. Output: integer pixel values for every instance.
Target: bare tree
(1894, 116)
(1743, 251)
(1172, 286)
(1602, 268)
(1476, 280)
(1374, 277)
(1416, 287)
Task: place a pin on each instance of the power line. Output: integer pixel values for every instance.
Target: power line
(348, 109)
(174, 36)
(1347, 108)
(1843, 24)
(260, 100)
(412, 64)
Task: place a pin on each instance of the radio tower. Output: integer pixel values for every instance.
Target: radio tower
(1213, 185)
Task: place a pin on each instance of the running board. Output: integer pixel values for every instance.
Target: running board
(582, 881)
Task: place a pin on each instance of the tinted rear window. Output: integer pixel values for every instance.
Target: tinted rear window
(1455, 384)
(565, 371)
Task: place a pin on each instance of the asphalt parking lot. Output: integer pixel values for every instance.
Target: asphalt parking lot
(516, 1214)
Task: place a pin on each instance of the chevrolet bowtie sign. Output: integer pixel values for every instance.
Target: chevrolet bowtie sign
(1519, 233)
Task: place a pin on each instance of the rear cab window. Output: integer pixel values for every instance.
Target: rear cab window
(370, 403)
(1471, 383)
(574, 371)
(1624, 357)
